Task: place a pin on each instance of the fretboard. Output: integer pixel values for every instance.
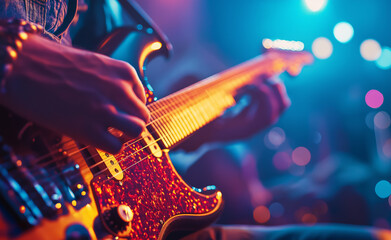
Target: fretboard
(178, 115)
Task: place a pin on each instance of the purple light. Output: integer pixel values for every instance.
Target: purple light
(276, 136)
(382, 120)
(374, 98)
(282, 161)
(387, 148)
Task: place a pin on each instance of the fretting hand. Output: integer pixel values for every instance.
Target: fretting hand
(259, 106)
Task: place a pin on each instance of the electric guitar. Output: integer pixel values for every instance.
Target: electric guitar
(51, 187)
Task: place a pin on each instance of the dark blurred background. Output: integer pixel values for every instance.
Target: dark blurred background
(328, 158)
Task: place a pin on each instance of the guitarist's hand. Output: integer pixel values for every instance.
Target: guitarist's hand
(258, 107)
(76, 93)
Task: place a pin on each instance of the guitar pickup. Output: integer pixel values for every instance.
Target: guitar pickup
(111, 164)
(151, 145)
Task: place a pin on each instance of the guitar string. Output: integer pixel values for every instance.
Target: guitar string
(152, 153)
(175, 99)
(128, 168)
(173, 102)
(200, 85)
(54, 152)
(177, 109)
(204, 83)
(90, 168)
(130, 142)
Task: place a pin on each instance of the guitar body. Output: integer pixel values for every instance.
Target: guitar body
(53, 188)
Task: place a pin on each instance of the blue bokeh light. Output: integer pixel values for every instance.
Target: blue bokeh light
(383, 189)
(276, 209)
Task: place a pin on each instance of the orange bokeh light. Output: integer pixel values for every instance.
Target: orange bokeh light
(261, 214)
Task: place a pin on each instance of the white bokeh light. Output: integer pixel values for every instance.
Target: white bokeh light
(343, 32)
(322, 48)
(315, 5)
(370, 50)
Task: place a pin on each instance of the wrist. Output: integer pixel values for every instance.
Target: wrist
(12, 34)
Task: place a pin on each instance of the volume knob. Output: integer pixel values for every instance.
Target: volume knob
(125, 213)
(118, 218)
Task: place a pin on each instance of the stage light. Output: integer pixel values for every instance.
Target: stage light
(384, 61)
(343, 32)
(315, 5)
(322, 48)
(370, 50)
(301, 156)
(374, 98)
(282, 44)
(382, 120)
(383, 189)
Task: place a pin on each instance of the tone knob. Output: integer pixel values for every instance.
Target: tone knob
(125, 213)
(118, 218)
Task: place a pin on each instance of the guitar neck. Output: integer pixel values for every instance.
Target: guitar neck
(178, 115)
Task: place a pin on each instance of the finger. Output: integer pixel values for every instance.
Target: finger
(130, 125)
(127, 102)
(105, 141)
(133, 79)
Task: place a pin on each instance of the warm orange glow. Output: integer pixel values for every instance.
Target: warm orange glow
(83, 193)
(58, 205)
(18, 163)
(294, 69)
(74, 203)
(156, 46)
(79, 186)
(146, 51)
(309, 219)
(12, 52)
(22, 209)
(279, 65)
(383, 234)
(18, 44)
(219, 195)
(23, 35)
(261, 214)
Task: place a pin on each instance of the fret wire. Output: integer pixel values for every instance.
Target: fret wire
(187, 113)
(188, 124)
(198, 109)
(164, 125)
(173, 119)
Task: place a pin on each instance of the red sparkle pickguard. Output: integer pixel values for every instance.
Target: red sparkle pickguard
(153, 190)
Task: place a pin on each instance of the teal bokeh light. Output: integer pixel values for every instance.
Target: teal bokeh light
(383, 189)
(384, 61)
